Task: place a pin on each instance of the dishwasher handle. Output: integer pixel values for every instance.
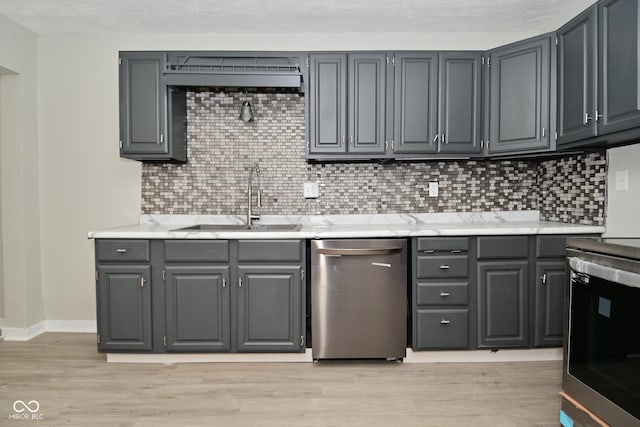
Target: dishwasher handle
(358, 251)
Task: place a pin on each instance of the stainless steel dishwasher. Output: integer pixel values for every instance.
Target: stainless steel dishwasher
(359, 298)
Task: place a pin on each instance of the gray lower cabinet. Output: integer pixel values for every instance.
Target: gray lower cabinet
(123, 295)
(152, 115)
(522, 96)
(347, 104)
(201, 295)
(549, 299)
(268, 308)
(441, 290)
(503, 291)
(548, 294)
(197, 308)
(124, 307)
(503, 316)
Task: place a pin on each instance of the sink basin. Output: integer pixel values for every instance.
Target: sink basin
(240, 227)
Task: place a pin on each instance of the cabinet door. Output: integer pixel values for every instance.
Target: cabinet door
(459, 86)
(124, 307)
(269, 309)
(142, 104)
(577, 78)
(415, 103)
(327, 103)
(619, 97)
(197, 308)
(367, 102)
(550, 278)
(503, 304)
(520, 95)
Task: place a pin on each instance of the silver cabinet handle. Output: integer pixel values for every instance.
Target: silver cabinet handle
(351, 139)
(444, 294)
(224, 282)
(443, 138)
(587, 118)
(544, 132)
(598, 116)
(343, 139)
(435, 139)
(544, 278)
(445, 322)
(142, 282)
(456, 251)
(121, 251)
(444, 267)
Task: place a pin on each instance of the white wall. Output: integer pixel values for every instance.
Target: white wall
(623, 206)
(85, 185)
(19, 178)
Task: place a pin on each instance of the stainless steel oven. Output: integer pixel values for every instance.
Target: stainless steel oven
(601, 369)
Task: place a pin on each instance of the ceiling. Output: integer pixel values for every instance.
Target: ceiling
(55, 17)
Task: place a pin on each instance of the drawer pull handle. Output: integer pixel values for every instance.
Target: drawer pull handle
(445, 322)
(456, 251)
(121, 251)
(429, 251)
(444, 267)
(444, 294)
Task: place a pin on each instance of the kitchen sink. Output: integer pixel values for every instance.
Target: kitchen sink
(240, 227)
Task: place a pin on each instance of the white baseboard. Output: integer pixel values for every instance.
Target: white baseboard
(465, 356)
(170, 358)
(25, 334)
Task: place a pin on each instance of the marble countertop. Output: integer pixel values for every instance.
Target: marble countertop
(349, 226)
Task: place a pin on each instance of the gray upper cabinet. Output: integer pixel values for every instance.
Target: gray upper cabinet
(618, 68)
(152, 116)
(521, 116)
(327, 103)
(577, 46)
(197, 308)
(347, 104)
(367, 103)
(460, 88)
(415, 129)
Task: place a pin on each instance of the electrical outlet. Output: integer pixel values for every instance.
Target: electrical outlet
(433, 188)
(622, 180)
(311, 190)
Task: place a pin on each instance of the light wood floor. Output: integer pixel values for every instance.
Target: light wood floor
(75, 386)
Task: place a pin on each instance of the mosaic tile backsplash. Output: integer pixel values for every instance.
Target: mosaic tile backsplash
(222, 148)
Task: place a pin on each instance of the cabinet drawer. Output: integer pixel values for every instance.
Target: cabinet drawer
(442, 293)
(442, 244)
(503, 247)
(551, 246)
(269, 250)
(196, 250)
(442, 266)
(442, 329)
(122, 250)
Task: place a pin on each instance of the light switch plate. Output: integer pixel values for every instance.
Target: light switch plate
(433, 188)
(311, 190)
(622, 180)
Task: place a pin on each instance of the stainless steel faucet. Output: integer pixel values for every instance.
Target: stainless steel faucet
(254, 170)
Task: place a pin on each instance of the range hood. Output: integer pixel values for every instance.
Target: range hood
(203, 69)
